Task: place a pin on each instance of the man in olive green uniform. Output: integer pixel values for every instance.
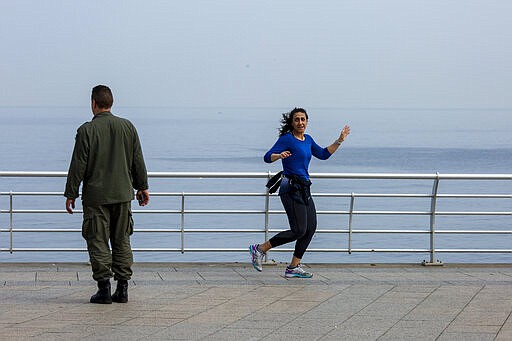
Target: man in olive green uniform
(107, 157)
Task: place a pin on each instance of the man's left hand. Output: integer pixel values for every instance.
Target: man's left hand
(70, 205)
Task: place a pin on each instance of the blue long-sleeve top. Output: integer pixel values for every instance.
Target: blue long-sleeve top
(298, 162)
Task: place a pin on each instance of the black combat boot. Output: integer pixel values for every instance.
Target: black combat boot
(121, 294)
(103, 294)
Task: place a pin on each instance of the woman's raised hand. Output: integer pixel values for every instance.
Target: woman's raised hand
(344, 132)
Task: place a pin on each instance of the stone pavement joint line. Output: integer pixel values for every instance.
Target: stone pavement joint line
(210, 301)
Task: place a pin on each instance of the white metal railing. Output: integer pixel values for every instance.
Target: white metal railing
(429, 231)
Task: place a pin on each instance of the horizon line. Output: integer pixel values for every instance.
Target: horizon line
(454, 108)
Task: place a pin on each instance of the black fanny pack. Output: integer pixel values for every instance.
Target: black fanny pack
(274, 182)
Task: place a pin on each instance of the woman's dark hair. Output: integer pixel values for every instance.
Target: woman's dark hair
(287, 119)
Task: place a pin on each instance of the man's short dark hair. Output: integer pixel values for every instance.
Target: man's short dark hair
(102, 95)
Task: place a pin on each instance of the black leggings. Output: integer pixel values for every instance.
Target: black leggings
(302, 219)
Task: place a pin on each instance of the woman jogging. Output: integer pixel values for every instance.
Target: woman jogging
(295, 148)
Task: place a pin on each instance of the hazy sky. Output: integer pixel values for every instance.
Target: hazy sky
(270, 53)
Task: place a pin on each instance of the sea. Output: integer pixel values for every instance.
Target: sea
(217, 139)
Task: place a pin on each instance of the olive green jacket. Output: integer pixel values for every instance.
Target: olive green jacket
(107, 157)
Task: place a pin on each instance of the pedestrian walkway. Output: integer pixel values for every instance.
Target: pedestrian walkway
(234, 302)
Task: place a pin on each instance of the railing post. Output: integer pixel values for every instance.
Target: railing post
(10, 223)
(433, 203)
(267, 208)
(352, 199)
(182, 222)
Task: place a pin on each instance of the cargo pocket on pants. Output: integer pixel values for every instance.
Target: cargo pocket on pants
(87, 228)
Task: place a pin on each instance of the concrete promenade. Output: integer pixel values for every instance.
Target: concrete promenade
(234, 302)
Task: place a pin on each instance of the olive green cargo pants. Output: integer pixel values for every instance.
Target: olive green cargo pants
(106, 223)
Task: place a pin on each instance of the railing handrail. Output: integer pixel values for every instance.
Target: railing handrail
(431, 231)
(259, 175)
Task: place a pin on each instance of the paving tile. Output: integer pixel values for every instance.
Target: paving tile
(17, 333)
(257, 324)
(482, 318)
(415, 330)
(361, 326)
(123, 332)
(55, 336)
(187, 331)
(386, 309)
(238, 334)
(18, 276)
(470, 328)
(279, 336)
(44, 276)
(305, 326)
(286, 306)
(467, 337)
(151, 321)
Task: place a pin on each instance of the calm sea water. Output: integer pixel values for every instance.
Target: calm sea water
(235, 139)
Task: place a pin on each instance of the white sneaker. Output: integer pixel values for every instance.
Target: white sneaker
(256, 257)
(297, 271)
